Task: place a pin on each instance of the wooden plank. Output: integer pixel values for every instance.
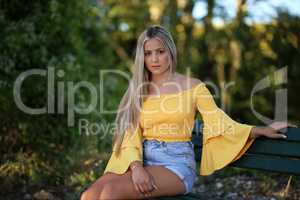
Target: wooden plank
(167, 198)
(197, 130)
(270, 163)
(278, 147)
(294, 134)
(198, 153)
(194, 196)
(197, 140)
(190, 196)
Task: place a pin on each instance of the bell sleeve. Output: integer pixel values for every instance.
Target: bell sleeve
(224, 140)
(131, 150)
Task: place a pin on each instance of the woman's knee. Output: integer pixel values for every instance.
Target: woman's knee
(92, 193)
(85, 195)
(110, 191)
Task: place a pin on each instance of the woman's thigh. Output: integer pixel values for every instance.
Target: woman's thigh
(93, 191)
(168, 183)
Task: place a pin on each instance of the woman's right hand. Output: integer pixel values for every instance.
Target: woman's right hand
(142, 180)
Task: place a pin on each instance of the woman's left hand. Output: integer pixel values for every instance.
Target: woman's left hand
(271, 131)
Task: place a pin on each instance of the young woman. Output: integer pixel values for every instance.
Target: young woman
(152, 153)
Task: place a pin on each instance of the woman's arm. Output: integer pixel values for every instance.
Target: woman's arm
(225, 140)
(270, 131)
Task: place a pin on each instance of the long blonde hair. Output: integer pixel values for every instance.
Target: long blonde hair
(128, 118)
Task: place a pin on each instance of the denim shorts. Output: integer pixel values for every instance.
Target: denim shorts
(176, 156)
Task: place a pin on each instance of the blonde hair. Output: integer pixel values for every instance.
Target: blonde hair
(127, 119)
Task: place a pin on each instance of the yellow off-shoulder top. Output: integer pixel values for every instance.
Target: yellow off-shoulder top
(170, 117)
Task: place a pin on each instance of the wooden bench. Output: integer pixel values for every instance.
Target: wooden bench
(277, 155)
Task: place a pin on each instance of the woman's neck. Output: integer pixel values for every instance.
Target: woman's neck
(159, 79)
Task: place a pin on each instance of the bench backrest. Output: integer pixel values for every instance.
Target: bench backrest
(279, 155)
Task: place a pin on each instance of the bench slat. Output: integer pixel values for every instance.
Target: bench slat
(281, 147)
(190, 196)
(271, 163)
(275, 147)
(265, 154)
(293, 134)
(197, 141)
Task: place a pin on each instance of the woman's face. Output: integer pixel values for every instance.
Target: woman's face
(156, 56)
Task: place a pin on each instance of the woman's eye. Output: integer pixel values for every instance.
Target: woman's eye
(161, 51)
(147, 54)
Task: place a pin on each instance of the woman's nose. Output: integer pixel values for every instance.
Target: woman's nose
(154, 57)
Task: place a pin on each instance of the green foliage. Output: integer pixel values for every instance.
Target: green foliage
(79, 38)
(40, 149)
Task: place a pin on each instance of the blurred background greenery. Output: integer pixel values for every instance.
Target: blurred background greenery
(215, 42)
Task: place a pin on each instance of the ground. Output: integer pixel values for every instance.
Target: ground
(250, 185)
(227, 184)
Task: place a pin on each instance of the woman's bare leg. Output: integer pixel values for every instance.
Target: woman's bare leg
(93, 192)
(121, 187)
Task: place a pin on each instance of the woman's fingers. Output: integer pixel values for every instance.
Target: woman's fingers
(136, 187)
(154, 185)
(286, 125)
(276, 134)
(143, 188)
(153, 182)
(292, 125)
(282, 125)
(148, 186)
(146, 189)
(278, 125)
(145, 185)
(279, 135)
(142, 193)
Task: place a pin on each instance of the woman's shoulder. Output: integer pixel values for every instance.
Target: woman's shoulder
(188, 82)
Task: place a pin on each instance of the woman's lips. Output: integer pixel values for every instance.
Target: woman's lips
(155, 66)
